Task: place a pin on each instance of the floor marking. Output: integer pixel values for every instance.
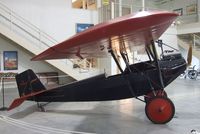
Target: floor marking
(37, 128)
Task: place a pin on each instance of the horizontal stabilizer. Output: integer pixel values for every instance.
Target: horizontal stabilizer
(17, 102)
(20, 100)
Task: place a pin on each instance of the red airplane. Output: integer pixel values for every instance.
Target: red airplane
(148, 78)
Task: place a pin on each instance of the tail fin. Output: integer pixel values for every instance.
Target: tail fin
(28, 86)
(28, 82)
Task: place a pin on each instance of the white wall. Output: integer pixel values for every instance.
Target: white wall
(179, 4)
(195, 61)
(105, 65)
(174, 4)
(169, 37)
(189, 28)
(24, 57)
(24, 62)
(55, 17)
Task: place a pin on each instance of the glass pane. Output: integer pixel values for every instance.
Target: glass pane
(84, 4)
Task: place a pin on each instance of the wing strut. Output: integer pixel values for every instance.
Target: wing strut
(157, 64)
(114, 57)
(124, 55)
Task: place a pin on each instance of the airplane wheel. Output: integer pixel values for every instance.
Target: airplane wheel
(160, 110)
(192, 74)
(150, 95)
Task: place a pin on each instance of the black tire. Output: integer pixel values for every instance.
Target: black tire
(160, 110)
(192, 74)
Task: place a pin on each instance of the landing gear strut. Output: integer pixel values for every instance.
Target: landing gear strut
(41, 106)
(152, 94)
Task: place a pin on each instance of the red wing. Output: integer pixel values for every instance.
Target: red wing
(135, 30)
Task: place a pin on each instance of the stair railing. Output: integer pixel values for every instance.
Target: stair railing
(196, 42)
(33, 34)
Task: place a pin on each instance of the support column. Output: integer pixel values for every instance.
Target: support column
(120, 7)
(143, 5)
(112, 10)
(198, 10)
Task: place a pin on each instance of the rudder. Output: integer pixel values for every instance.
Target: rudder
(28, 82)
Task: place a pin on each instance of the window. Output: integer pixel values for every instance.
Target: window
(84, 4)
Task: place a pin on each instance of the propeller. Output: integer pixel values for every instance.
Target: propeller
(189, 56)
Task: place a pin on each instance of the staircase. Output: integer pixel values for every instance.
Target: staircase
(190, 39)
(34, 40)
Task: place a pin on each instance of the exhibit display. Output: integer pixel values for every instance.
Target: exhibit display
(148, 78)
(100, 66)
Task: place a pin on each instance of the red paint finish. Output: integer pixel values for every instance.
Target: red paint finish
(160, 110)
(17, 102)
(134, 29)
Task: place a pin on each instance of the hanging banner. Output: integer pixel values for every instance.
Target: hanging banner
(106, 2)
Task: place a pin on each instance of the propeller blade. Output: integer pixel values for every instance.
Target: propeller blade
(189, 56)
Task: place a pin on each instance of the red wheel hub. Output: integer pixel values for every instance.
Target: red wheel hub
(160, 110)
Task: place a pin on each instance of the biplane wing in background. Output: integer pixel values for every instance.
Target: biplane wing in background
(148, 78)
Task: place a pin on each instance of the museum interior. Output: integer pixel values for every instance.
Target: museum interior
(99, 66)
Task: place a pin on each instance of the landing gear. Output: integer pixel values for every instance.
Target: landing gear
(41, 106)
(42, 109)
(160, 110)
(152, 94)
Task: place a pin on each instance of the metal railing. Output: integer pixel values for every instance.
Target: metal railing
(187, 40)
(196, 42)
(28, 31)
(192, 39)
(18, 24)
(113, 10)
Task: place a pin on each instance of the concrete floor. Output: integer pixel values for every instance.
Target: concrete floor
(113, 117)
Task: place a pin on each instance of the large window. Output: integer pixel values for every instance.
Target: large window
(84, 4)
